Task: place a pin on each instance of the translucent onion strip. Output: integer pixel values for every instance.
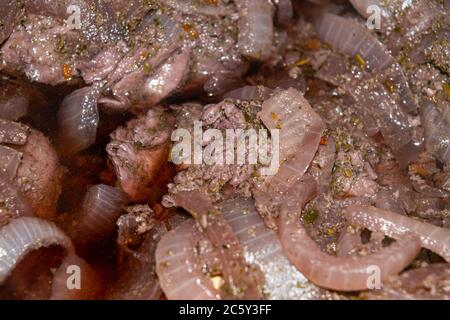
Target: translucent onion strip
(255, 38)
(78, 119)
(396, 225)
(102, 206)
(351, 39)
(262, 247)
(337, 273)
(25, 234)
(357, 41)
(241, 280)
(179, 272)
(300, 132)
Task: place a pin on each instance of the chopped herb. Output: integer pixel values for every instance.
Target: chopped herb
(356, 120)
(302, 62)
(308, 71)
(447, 90)
(398, 29)
(147, 68)
(80, 48)
(348, 172)
(60, 43)
(389, 85)
(360, 61)
(310, 216)
(335, 168)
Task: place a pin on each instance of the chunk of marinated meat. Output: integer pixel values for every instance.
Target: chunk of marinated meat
(139, 153)
(51, 46)
(191, 52)
(220, 180)
(39, 175)
(28, 158)
(44, 50)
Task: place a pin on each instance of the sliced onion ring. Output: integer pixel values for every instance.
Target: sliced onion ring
(102, 206)
(336, 273)
(179, 272)
(78, 119)
(25, 234)
(396, 225)
(255, 29)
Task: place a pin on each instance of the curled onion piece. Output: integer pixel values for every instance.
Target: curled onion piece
(353, 39)
(78, 119)
(25, 234)
(255, 38)
(337, 273)
(88, 286)
(262, 247)
(300, 132)
(241, 281)
(178, 268)
(395, 225)
(102, 206)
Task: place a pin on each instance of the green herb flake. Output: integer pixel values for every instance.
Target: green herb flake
(310, 216)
